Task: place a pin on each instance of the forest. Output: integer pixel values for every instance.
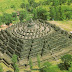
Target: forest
(13, 11)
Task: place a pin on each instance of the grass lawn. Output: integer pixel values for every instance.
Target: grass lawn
(66, 25)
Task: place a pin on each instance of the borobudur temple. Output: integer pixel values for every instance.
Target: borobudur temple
(32, 38)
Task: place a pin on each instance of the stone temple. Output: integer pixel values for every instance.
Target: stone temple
(32, 38)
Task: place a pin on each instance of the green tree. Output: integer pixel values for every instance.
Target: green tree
(68, 15)
(16, 68)
(7, 18)
(38, 60)
(14, 15)
(69, 2)
(63, 1)
(30, 63)
(27, 6)
(63, 15)
(57, 13)
(66, 58)
(70, 69)
(22, 5)
(60, 1)
(14, 59)
(47, 2)
(40, 13)
(56, 2)
(23, 15)
(31, 2)
(1, 68)
(35, 5)
(34, 13)
(52, 13)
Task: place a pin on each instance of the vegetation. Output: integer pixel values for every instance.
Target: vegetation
(38, 60)
(47, 66)
(7, 18)
(67, 59)
(45, 9)
(23, 15)
(14, 60)
(1, 68)
(14, 16)
(30, 63)
(40, 13)
(62, 67)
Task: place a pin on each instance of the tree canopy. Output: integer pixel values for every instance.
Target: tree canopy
(14, 58)
(7, 18)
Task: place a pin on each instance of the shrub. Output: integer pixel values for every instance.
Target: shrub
(66, 59)
(14, 59)
(63, 66)
(38, 60)
(47, 2)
